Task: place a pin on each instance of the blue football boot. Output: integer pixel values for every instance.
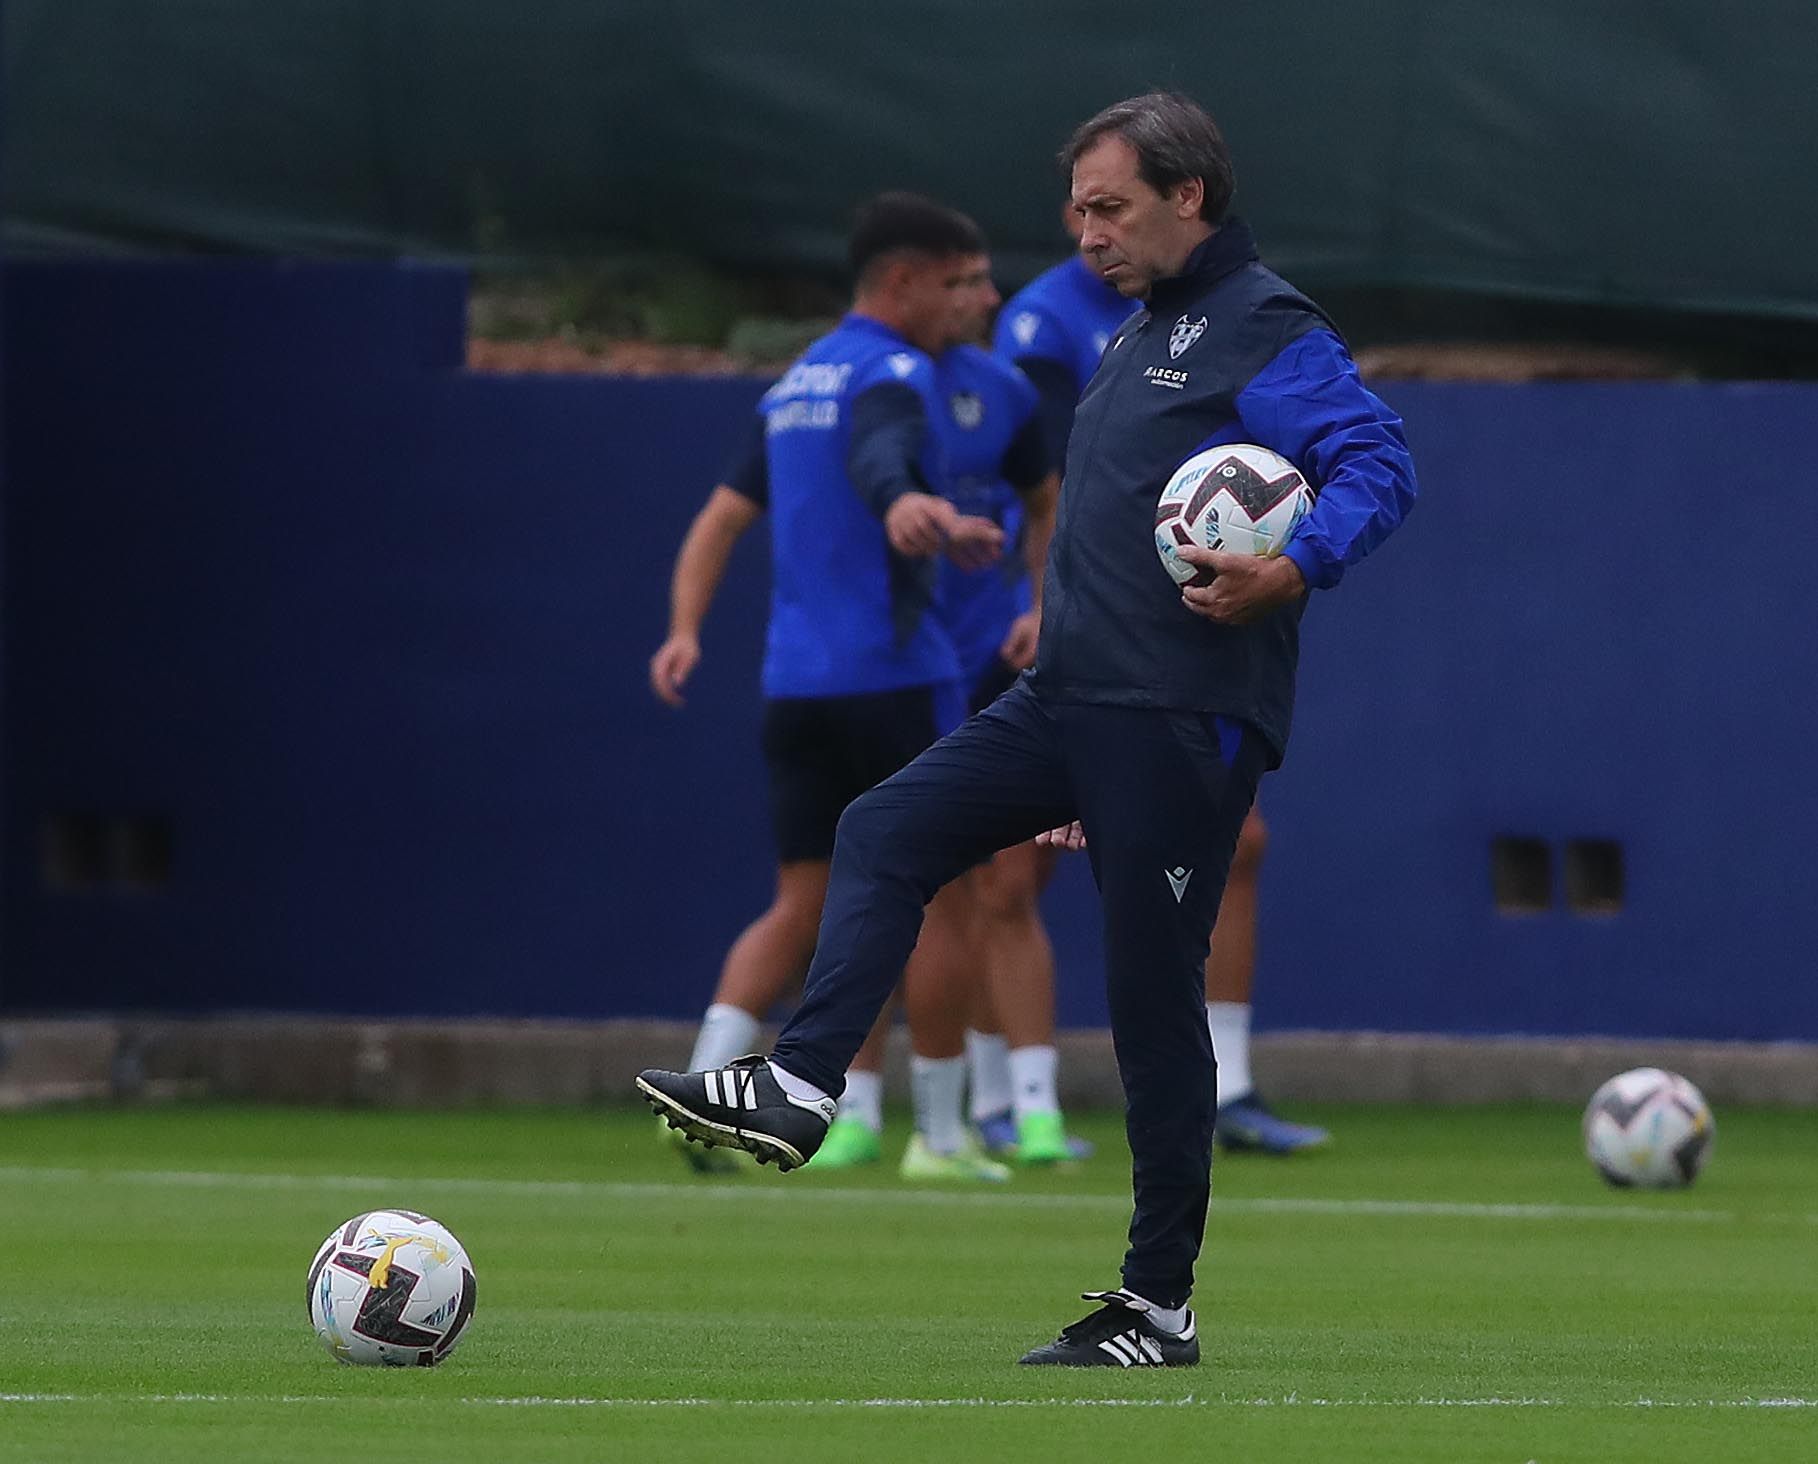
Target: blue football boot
(998, 1133)
(1249, 1125)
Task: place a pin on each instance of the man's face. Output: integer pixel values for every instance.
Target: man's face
(928, 290)
(1129, 233)
(971, 299)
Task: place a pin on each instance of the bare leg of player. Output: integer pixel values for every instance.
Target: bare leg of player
(1020, 959)
(768, 958)
(942, 973)
(856, 1135)
(988, 1087)
(1021, 964)
(770, 954)
(1245, 1122)
(1231, 964)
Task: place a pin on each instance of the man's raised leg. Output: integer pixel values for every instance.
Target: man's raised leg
(996, 781)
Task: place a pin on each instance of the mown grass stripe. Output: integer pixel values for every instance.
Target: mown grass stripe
(1190, 1401)
(740, 1193)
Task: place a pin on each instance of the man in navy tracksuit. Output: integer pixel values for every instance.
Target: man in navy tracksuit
(1056, 330)
(1149, 717)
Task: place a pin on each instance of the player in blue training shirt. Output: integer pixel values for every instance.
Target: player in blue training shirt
(999, 467)
(859, 674)
(1055, 330)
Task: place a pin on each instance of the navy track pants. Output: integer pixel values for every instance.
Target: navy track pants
(1161, 795)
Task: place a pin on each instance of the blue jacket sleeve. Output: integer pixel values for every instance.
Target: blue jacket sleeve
(1310, 405)
(884, 452)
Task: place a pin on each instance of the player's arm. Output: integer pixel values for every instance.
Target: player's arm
(1027, 469)
(1038, 529)
(1057, 390)
(883, 460)
(1032, 470)
(1035, 341)
(700, 565)
(1310, 405)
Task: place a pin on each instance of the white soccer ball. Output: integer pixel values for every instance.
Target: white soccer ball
(391, 1288)
(1240, 498)
(1649, 1128)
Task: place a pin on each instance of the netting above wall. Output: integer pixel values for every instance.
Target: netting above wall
(1648, 152)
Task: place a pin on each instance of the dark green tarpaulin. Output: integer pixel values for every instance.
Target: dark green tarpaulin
(1651, 152)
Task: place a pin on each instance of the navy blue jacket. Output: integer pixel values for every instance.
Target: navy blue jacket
(1226, 352)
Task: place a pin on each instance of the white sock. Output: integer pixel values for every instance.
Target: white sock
(1229, 1024)
(988, 1063)
(727, 1032)
(797, 1088)
(1032, 1079)
(1169, 1320)
(864, 1099)
(938, 1087)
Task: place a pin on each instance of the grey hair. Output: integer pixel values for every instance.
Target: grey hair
(1174, 139)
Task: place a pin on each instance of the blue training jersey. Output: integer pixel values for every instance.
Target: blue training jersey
(844, 619)
(1065, 314)
(986, 418)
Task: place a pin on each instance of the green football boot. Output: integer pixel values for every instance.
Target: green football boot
(1041, 1139)
(968, 1162)
(850, 1142)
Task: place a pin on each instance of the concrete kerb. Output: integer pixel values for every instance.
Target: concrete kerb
(407, 1063)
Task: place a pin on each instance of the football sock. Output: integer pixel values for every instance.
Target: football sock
(988, 1063)
(938, 1087)
(797, 1088)
(1032, 1080)
(727, 1032)
(1169, 1320)
(864, 1099)
(1229, 1024)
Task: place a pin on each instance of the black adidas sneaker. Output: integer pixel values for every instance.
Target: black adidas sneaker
(1118, 1334)
(740, 1106)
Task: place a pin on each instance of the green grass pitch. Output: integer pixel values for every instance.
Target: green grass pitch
(1444, 1285)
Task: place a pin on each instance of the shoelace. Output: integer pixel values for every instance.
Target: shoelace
(1113, 1317)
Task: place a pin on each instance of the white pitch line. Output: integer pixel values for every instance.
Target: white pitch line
(816, 1194)
(1292, 1400)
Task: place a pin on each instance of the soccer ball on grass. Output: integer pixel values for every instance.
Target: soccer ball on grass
(1240, 498)
(1648, 1128)
(391, 1288)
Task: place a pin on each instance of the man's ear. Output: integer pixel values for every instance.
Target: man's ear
(898, 274)
(1189, 198)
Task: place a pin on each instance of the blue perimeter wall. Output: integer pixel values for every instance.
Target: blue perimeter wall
(371, 631)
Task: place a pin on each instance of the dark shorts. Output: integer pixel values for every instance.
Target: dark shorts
(997, 678)
(822, 752)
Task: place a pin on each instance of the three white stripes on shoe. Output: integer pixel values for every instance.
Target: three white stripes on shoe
(1132, 1349)
(739, 1085)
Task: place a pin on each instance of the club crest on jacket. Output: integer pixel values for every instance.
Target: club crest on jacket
(1184, 334)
